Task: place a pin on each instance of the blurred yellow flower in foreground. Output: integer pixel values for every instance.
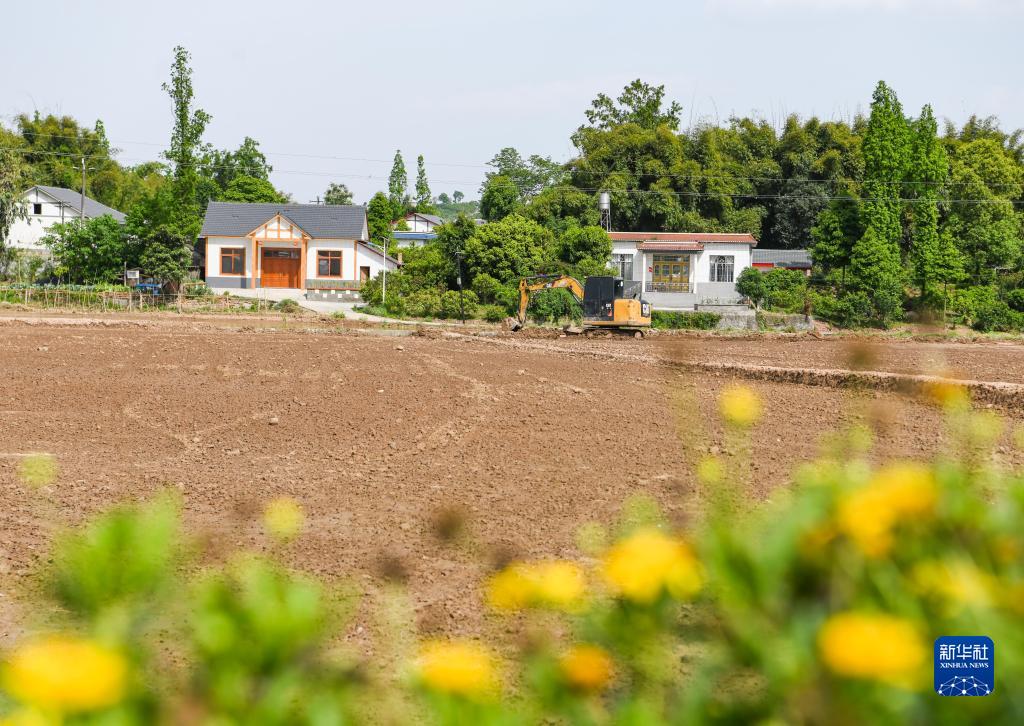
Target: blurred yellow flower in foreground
(556, 583)
(649, 561)
(65, 674)
(960, 583)
(461, 668)
(872, 646)
(740, 406)
(950, 394)
(37, 470)
(896, 493)
(283, 518)
(587, 667)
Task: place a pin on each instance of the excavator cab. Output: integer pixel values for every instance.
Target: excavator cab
(615, 303)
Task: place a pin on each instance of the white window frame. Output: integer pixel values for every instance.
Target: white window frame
(619, 263)
(723, 266)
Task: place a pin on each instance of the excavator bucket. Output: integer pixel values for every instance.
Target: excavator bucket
(513, 324)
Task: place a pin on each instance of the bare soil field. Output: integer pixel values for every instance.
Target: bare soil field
(386, 440)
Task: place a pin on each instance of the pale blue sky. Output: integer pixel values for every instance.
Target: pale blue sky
(458, 80)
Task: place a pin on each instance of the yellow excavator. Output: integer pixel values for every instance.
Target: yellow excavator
(609, 303)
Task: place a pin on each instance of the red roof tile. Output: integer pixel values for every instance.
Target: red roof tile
(661, 246)
(736, 237)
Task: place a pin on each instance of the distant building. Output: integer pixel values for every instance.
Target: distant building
(320, 250)
(679, 270)
(786, 259)
(46, 206)
(420, 229)
(419, 222)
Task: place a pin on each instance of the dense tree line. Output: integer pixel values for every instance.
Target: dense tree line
(903, 214)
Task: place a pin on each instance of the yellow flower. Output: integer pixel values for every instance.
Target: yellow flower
(960, 583)
(560, 584)
(37, 470)
(28, 717)
(948, 394)
(648, 562)
(557, 584)
(511, 589)
(871, 646)
(898, 492)
(65, 674)
(740, 406)
(462, 668)
(587, 667)
(283, 518)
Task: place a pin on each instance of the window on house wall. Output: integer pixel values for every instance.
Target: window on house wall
(37, 209)
(722, 268)
(232, 261)
(328, 263)
(623, 266)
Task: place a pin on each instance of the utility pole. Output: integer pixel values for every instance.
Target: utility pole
(81, 211)
(462, 307)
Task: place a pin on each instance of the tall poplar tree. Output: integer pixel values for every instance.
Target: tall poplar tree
(398, 184)
(186, 142)
(928, 169)
(424, 201)
(875, 267)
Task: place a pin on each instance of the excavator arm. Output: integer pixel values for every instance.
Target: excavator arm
(529, 285)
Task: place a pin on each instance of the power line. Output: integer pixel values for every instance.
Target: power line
(696, 194)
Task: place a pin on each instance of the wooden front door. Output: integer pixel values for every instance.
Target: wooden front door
(280, 268)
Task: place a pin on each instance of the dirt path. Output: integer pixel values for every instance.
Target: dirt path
(378, 437)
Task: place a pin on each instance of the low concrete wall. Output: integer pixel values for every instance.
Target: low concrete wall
(784, 321)
(231, 282)
(717, 293)
(333, 295)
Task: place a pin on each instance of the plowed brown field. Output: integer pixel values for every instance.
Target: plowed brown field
(380, 437)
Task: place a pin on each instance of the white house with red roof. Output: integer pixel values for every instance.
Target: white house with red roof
(681, 270)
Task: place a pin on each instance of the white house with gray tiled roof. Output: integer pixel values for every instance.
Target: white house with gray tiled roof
(46, 206)
(321, 251)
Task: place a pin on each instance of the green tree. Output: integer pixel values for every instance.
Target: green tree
(927, 170)
(875, 267)
(750, 284)
(500, 198)
(337, 194)
(457, 196)
(424, 200)
(585, 245)
(250, 189)
(378, 219)
(530, 176)
(639, 103)
(11, 207)
(166, 256)
(186, 141)
(398, 183)
(509, 249)
(218, 168)
(90, 252)
(443, 198)
(831, 245)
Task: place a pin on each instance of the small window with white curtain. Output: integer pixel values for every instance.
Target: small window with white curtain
(722, 268)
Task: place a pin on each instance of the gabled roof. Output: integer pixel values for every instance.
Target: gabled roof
(320, 221)
(697, 237)
(432, 218)
(73, 200)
